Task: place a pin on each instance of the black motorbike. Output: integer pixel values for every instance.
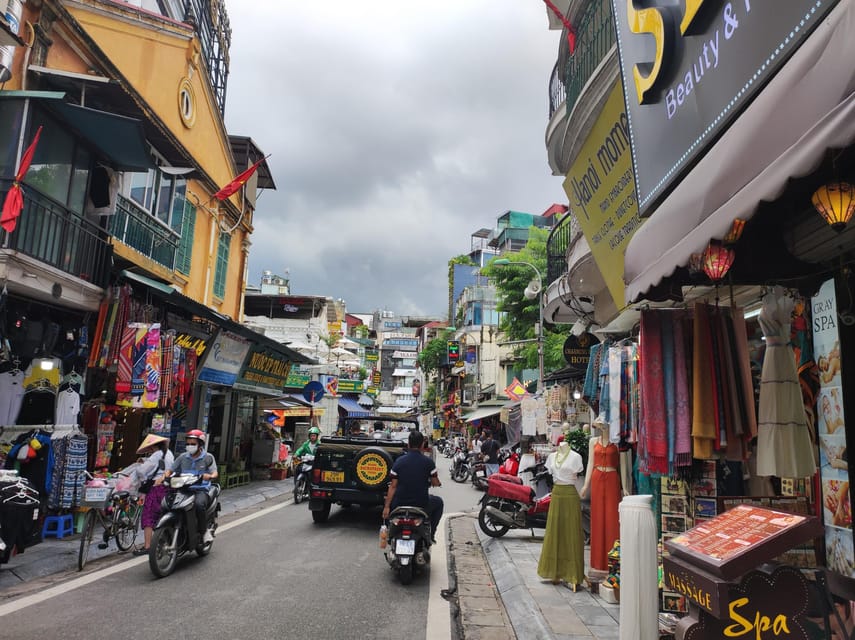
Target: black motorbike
(461, 466)
(303, 477)
(176, 531)
(409, 539)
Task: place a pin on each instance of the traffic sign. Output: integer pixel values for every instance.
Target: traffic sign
(313, 391)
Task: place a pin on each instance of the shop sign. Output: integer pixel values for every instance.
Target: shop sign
(577, 353)
(191, 343)
(690, 68)
(224, 360)
(601, 188)
(411, 343)
(706, 591)
(265, 371)
(330, 385)
(350, 386)
(375, 377)
(761, 606)
(298, 376)
(371, 356)
(334, 328)
(831, 429)
(392, 324)
(373, 391)
(405, 355)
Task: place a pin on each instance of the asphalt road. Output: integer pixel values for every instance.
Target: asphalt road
(271, 574)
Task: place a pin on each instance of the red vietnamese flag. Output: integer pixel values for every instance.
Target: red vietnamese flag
(14, 197)
(238, 182)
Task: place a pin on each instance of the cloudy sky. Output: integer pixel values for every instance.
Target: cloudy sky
(397, 129)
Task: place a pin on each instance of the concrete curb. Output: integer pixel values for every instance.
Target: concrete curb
(520, 605)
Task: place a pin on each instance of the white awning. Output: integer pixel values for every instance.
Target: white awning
(807, 108)
(403, 373)
(483, 412)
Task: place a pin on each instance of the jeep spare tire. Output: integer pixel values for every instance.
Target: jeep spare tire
(371, 467)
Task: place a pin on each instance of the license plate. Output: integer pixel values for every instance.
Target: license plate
(405, 547)
(333, 476)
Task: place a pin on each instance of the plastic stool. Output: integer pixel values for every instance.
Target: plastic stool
(58, 526)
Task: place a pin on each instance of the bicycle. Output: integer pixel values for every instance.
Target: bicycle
(118, 513)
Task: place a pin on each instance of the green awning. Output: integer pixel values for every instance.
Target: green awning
(119, 140)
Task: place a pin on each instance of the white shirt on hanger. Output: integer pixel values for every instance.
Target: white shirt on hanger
(11, 396)
(67, 407)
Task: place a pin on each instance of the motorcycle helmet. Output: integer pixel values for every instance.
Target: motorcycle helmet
(314, 430)
(199, 435)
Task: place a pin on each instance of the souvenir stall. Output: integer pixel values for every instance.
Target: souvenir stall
(142, 370)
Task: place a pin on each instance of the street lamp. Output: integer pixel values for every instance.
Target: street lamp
(502, 262)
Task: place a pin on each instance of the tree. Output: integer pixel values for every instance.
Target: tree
(521, 315)
(433, 356)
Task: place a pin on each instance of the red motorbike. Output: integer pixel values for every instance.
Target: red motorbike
(509, 504)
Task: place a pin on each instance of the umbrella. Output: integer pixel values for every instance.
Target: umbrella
(15, 198)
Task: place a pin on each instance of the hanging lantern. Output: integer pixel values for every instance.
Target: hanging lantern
(836, 203)
(717, 260)
(735, 233)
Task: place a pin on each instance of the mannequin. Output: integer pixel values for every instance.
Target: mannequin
(562, 556)
(603, 487)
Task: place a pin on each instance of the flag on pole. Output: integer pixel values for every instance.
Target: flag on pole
(238, 182)
(15, 197)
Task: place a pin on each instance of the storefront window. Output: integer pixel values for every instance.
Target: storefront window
(53, 161)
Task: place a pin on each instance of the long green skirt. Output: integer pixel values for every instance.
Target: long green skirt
(562, 556)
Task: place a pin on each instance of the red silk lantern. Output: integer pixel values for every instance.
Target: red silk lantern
(717, 260)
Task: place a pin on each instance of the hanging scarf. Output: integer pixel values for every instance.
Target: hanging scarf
(615, 371)
(704, 425)
(683, 410)
(670, 383)
(652, 394)
(592, 374)
(740, 339)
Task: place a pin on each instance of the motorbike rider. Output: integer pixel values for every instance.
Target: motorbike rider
(310, 445)
(197, 460)
(412, 474)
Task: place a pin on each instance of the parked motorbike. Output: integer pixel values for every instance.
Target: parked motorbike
(302, 478)
(509, 504)
(478, 472)
(409, 540)
(511, 464)
(461, 466)
(175, 533)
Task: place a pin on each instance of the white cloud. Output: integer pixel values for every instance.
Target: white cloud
(396, 130)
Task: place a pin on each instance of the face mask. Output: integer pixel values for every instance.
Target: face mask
(192, 449)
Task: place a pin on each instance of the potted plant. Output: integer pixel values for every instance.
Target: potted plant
(278, 471)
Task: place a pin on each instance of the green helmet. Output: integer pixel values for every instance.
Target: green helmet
(314, 430)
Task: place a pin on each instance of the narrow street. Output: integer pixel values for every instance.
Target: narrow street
(271, 573)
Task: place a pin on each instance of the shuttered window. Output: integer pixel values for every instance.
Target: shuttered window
(222, 265)
(185, 246)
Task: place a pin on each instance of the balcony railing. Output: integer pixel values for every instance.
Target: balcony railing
(595, 37)
(138, 230)
(50, 233)
(557, 92)
(557, 245)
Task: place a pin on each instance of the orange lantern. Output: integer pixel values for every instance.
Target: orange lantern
(717, 260)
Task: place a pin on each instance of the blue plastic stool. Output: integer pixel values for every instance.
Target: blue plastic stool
(58, 526)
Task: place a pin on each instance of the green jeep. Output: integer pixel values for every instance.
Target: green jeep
(353, 467)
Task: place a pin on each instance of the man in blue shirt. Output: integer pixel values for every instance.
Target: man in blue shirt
(412, 474)
(198, 461)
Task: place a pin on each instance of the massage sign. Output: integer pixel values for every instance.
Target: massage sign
(714, 565)
(690, 67)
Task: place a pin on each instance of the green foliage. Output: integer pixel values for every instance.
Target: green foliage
(578, 440)
(520, 315)
(433, 355)
(362, 373)
(461, 259)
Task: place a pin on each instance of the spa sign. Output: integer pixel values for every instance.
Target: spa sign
(690, 67)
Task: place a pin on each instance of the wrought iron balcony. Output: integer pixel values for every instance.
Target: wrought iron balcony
(50, 233)
(561, 238)
(595, 36)
(136, 228)
(557, 91)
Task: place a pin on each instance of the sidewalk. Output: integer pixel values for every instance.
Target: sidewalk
(53, 556)
(499, 594)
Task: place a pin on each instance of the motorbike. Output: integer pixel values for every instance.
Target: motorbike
(509, 504)
(409, 539)
(461, 466)
(175, 533)
(302, 478)
(511, 464)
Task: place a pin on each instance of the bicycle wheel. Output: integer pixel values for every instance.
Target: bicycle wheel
(86, 539)
(126, 524)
